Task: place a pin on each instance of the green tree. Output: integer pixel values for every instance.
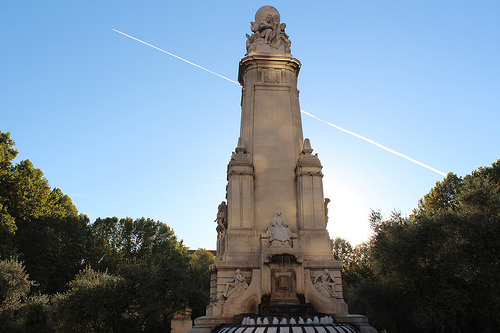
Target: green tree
(199, 288)
(151, 273)
(7, 152)
(141, 297)
(115, 241)
(14, 284)
(153, 293)
(438, 269)
(356, 264)
(356, 271)
(39, 224)
(342, 250)
(53, 249)
(442, 196)
(153, 265)
(14, 288)
(36, 315)
(7, 221)
(90, 304)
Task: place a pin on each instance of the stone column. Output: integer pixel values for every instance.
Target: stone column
(271, 132)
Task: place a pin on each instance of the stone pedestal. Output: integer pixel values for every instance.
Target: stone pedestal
(181, 322)
(181, 325)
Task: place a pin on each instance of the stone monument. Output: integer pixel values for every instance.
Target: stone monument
(274, 263)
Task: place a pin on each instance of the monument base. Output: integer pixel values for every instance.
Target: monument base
(285, 310)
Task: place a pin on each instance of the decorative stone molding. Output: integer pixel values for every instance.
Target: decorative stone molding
(272, 76)
(308, 163)
(240, 162)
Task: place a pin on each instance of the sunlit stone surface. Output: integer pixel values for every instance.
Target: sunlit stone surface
(274, 269)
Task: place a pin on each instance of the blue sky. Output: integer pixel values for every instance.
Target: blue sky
(126, 130)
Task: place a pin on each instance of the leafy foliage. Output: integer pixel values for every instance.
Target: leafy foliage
(356, 261)
(38, 223)
(14, 287)
(438, 269)
(7, 221)
(90, 304)
(35, 315)
(143, 294)
(115, 241)
(148, 274)
(159, 277)
(14, 284)
(199, 288)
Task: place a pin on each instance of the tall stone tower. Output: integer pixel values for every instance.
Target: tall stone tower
(274, 258)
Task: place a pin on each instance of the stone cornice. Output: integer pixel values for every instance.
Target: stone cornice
(240, 164)
(269, 61)
(308, 165)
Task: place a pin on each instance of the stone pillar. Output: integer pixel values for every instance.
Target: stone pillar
(271, 132)
(311, 206)
(181, 323)
(313, 237)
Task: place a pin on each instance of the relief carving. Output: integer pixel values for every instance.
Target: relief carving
(272, 76)
(325, 284)
(236, 286)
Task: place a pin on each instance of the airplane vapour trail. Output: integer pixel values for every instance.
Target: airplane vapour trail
(175, 56)
(375, 143)
(304, 112)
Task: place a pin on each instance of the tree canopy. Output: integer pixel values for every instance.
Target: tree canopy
(59, 272)
(437, 269)
(39, 224)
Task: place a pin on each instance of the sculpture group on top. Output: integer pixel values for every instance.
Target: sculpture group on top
(269, 34)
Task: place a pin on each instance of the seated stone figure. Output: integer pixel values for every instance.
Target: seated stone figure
(279, 233)
(325, 284)
(236, 286)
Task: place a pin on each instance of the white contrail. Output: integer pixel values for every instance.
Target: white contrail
(307, 113)
(375, 143)
(173, 55)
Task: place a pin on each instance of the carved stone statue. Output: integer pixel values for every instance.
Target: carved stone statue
(325, 284)
(279, 232)
(268, 33)
(327, 201)
(221, 227)
(221, 217)
(236, 286)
